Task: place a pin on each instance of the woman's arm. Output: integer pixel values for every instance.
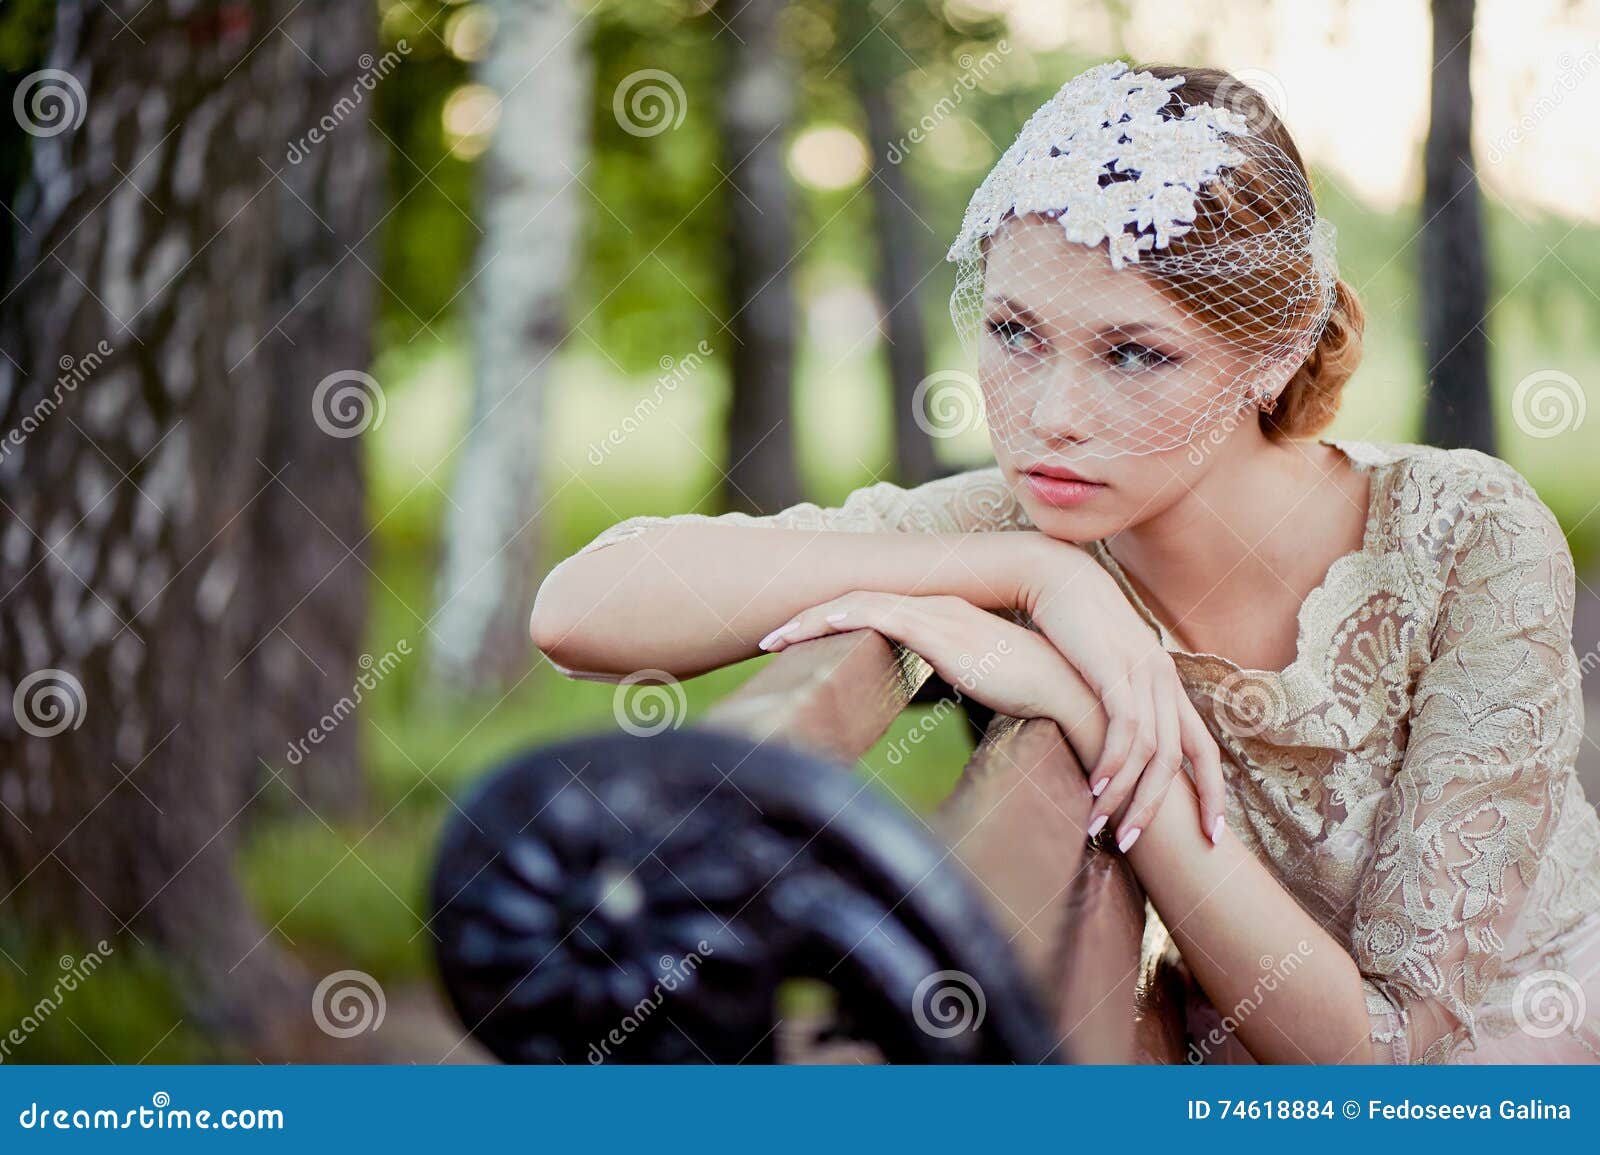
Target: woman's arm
(690, 593)
(1294, 992)
(690, 596)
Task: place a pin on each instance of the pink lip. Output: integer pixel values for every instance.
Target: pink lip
(1060, 487)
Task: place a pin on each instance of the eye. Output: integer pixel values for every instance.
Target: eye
(1014, 335)
(1133, 357)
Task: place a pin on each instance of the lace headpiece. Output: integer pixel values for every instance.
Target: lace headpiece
(1220, 278)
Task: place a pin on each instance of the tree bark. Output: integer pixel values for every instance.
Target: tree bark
(530, 198)
(132, 555)
(309, 529)
(762, 473)
(1454, 267)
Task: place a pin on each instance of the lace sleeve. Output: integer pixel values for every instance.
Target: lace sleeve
(974, 501)
(961, 503)
(1496, 720)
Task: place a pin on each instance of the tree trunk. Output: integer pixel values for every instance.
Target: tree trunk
(899, 272)
(308, 530)
(1454, 268)
(762, 474)
(132, 550)
(531, 196)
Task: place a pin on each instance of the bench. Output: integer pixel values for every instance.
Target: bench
(732, 891)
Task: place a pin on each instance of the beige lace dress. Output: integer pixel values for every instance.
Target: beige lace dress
(1409, 776)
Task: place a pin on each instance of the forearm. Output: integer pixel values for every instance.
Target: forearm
(1293, 993)
(690, 597)
(1305, 1003)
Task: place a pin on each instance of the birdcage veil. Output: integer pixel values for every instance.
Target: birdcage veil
(1135, 270)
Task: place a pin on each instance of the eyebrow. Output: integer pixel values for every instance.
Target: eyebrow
(1126, 329)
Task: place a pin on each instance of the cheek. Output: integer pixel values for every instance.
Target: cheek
(1146, 485)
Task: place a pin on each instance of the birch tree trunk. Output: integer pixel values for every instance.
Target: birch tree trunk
(131, 725)
(1454, 273)
(530, 210)
(762, 472)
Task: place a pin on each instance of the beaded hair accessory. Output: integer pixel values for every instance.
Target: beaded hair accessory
(1136, 269)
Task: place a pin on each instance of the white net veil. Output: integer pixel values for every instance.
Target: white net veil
(1135, 270)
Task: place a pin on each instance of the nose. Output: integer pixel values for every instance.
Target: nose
(1063, 414)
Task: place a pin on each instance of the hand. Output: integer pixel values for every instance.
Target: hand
(1153, 724)
(991, 659)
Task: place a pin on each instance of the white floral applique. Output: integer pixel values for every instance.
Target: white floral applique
(1107, 122)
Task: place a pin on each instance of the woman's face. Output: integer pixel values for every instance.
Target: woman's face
(1090, 373)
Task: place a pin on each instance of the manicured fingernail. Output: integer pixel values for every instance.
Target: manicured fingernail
(767, 641)
(1128, 840)
(1097, 825)
(839, 617)
(1099, 786)
(1216, 830)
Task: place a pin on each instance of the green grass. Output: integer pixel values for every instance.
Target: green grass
(124, 1010)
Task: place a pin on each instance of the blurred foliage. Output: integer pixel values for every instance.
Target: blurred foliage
(25, 33)
(24, 43)
(653, 250)
(123, 1011)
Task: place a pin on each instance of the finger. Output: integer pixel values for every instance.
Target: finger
(1148, 788)
(1122, 727)
(1117, 790)
(913, 621)
(1147, 799)
(1205, 764)
(823, 618)
(1169, 697)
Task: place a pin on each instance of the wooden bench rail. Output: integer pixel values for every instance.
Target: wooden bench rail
(834, 695)
(1016, 819)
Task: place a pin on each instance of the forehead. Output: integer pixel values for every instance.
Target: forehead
(1031, 262)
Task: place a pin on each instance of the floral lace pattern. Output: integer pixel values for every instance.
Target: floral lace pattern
(1106, 119)
(1410, 776)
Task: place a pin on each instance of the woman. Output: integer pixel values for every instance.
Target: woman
(1363, 652)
